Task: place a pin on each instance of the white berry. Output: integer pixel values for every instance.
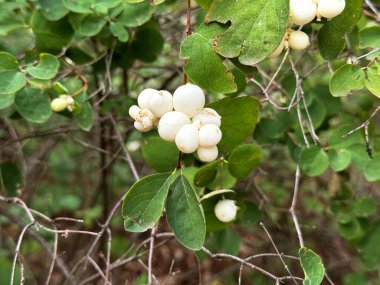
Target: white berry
(225, 210)
(147, 123)
(134, 112)
(278, 50)
(208, 116)
(209, 135)
(170, 123)
(187, 138)
(145, 96)
(302, 11)
(140, 127)
(298, 40)
(161, 103)
(330, 8)
(188, 99)
(207, 154)
(58, 104)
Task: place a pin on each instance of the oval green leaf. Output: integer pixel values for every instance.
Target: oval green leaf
(347, 78)
(244, 159)
(11, 81)
(145, 201)
(47, 67)
(314, 161)
(33, 105)
(185, 215)
(312, 266)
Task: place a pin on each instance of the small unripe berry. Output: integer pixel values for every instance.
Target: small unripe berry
(330, 8)
(207, 154)
(58, 104)
(161, 103)
(225, 210)
(140, 127)
(144, 97)
(209, 135)
(147, 123)
(278, 50)
(134, 112)
(187, 138)
(170, 123)
(298, 40)
(208, 116)
(302, 11)
(188, 99)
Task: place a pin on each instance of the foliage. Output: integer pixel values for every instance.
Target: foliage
(314, 111)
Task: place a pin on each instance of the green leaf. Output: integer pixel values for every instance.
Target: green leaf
(211, 74)
(84, 116)
(6, 100)
(244, 159)
(11, 81)
(314, 161)
(79, 6)
(339, 159)
(312, 266)
(135, 15)
(160, 155)
(347, 78)
(369, 37)
(239, 119)
(365, 207)
(11, 178)
(207, 173)
(275, 126)
(185, 216)
(371, 169)
(33, 105)
(257, 27)
(370, 246)
(148, 42)
(8, 61)
(47, 68)
(372, 80)
(119, 32)
(228, 241)
(91, 25)
(145, 201)
(204, 4)
(331, 38)
(53, 10)
(217, 193)
(51, 36)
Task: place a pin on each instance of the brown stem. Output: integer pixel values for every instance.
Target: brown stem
(179, 166)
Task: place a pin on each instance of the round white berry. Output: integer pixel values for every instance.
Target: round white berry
(161, 103)
(302, 11)
(187, 138)
(225, 210)
(278, 50)
(208, 116)
(209, 135)
(207, 154)
(170, 123)
(188, 99)
(58, 104)
(133, 146)
(330, 8)
(147, 123)
(298, 40)
(134, 112)
(140, 127)
(144, 97)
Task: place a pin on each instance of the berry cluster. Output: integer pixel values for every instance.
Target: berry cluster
(303, 12)
(191, 126)
(61, 103)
